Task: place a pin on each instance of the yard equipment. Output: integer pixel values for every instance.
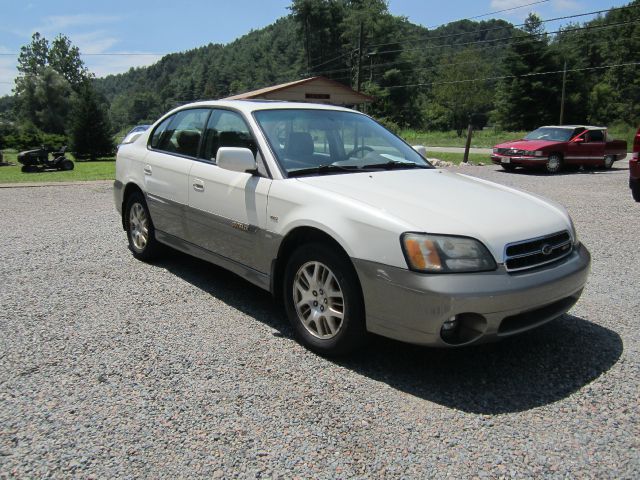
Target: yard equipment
(38, 160)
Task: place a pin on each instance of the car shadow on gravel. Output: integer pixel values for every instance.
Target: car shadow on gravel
(530, 370)
(527, 371)
(531, 172)
(229, 288)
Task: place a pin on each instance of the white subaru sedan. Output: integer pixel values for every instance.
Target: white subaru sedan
(347, 224)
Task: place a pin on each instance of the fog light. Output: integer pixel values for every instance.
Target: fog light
(450, 324)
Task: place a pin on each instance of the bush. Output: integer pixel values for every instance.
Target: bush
(27, 136)
(389, 125)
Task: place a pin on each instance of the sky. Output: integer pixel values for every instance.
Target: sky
(116, 35)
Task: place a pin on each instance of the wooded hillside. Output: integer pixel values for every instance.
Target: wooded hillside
(509, 76)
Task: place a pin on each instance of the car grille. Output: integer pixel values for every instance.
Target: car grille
(510, 151)
(537, 251)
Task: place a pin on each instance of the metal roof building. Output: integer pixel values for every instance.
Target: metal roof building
(313, 89)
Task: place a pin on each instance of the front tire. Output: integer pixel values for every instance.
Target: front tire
(140, 230)
(323, 300)
(554, 163)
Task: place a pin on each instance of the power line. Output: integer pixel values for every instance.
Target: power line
(508, 39)
(595, 12)
(503, 77)
(504, 10)
(443, 24)
(579, 30)
(107, 54)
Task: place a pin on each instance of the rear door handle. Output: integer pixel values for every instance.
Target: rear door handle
(147, 169)
(198, 185)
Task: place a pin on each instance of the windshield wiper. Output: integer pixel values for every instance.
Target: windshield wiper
(320, 169)
(392, 164)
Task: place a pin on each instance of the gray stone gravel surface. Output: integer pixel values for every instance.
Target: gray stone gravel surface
(110, 367)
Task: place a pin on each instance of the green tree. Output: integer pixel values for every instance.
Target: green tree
(65, 59)
(48, 75)
(52, 101)
(91, 129)
(320, 24)
(34, 56)
(457, 90)
(136, 107)
(527, 99)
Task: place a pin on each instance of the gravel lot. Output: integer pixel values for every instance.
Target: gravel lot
(110, 367)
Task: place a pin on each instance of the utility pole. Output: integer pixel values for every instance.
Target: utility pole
(467, 145)
(359, 80)
(564, 83)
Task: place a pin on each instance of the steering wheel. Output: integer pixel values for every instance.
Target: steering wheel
(363, 148)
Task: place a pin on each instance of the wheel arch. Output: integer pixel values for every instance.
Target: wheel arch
(293, 239)
(129, 189)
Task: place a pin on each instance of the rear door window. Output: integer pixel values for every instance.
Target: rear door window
(182, 132)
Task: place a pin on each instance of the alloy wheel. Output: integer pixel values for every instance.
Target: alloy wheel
(318, 300)
(139, 226)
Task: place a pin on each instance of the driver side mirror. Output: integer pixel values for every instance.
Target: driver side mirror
(578, 140)
(236, 159)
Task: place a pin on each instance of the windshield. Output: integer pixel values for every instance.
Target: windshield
(553, 134)
(331, 141)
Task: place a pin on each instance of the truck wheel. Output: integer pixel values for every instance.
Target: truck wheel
(140, 231)
(608, 161)
(323, 300)
(554, 163)
(635, 190)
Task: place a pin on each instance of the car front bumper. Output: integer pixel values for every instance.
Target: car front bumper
(524, 161)
(413, 307)
(634, 168)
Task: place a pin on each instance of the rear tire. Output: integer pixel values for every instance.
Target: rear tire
(554, 163)
(140, 230)
(608, 161)
(66, 165)
(323, 300)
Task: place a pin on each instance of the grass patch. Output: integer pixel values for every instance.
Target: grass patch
(489, 138)
(456, 158)
(84, 171)
(480, 139)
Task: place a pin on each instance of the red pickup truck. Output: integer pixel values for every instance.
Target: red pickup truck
(634, 168)
(554, 147)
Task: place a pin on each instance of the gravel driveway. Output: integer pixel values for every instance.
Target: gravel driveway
(110, 367)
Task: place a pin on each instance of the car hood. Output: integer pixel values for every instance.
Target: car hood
(437, 201)
(527, 144)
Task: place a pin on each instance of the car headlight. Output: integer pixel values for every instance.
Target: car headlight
(534, 153)
(445, 254)
(495, 150)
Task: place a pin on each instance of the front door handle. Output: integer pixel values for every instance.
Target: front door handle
(147, 169)
(198, 185)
